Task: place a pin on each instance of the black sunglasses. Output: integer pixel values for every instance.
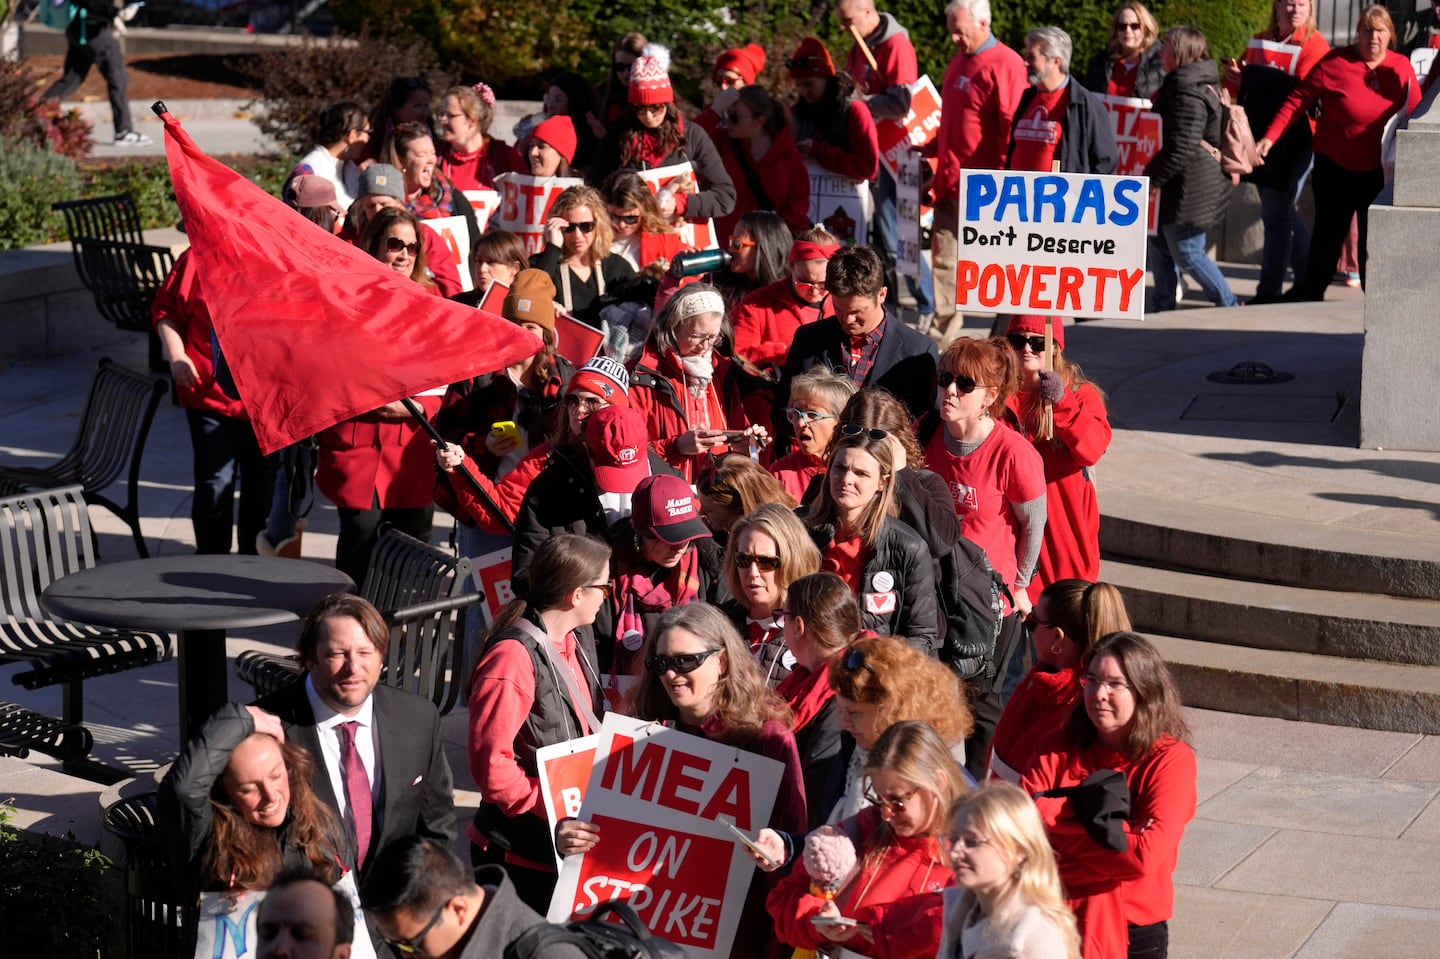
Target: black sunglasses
(680, 665)
(855, 429)
(1019, 341)
(962, 383)
(767, 564)
(585, 227)
(409, 947)
(393, 244)
(624, 219)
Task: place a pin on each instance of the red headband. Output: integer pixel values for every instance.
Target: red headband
(803, 250)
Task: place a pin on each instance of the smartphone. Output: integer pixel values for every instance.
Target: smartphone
(506, 428)
(733, 436)
(835, 922)
(751, 845)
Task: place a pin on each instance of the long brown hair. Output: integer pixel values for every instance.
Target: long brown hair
(1072, 376)
(1085, 611)
(560, 565)
(885, 504)
(829, 609)
(1157, 700)
(574, 197)
(372, 241)
(632, 135)
(243, 855)
(629, 191)
(876, 408)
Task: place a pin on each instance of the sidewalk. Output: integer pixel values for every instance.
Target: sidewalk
(1313, 842)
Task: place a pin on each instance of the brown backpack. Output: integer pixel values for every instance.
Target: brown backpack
(1236, 151)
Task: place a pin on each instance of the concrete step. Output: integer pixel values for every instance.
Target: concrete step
(1304, 686)
(1352, 625)
(1240, 545)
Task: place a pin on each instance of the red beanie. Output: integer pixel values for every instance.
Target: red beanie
(747, 61)
(1035, 326)
(649, 83)
(811, 59)
(559, 132)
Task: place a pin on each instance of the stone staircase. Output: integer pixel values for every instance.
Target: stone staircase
(1283, 619)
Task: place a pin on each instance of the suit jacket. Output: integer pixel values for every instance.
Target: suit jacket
(905, 363)
(419, 796)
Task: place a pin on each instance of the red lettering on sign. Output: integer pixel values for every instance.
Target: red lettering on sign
(677, 777)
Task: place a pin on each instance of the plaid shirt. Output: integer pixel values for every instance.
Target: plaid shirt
(860, 352)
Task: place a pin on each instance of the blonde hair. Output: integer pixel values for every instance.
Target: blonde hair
(1149, 27)
(797, 552)
(914, 751)
(1006, 816)
(878, 509)
(824, 386)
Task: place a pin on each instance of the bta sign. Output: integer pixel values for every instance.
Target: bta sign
(897, 137)
(699, 235)
(662, 799)
(1052, 243)
(492, 578)
(524, 201)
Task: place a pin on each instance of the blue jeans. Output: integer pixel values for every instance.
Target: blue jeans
(1287, 238)
(1179, 247)
(887, 240)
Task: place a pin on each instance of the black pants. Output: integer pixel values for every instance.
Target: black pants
(532, 886)
(1150, 942)
(1339, 195)
(225, 449)
(103, 51)
(360, 528)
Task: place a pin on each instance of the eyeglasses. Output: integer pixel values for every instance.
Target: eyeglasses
(409, 947)
(441, 117)
(962, 384)
(680, 665)
(585, 227)
(703, 339)
(738, 245)
(891, 804)
(606, 588)
(855, 429)
(954, 840)
(804, 287)
(393, 244)
(805, 416)
(767, 564)
(1109, 685)
(1128, 26)
(647, 108)
(718, 489)
(726, 83)
(1018, 341)
(624, 219)
(584, 405)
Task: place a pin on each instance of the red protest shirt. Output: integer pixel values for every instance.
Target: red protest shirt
(1037, 133)
(846, 559)
(478, 170)
(859, 158)
(1122, 79)
(367, 458)
(1039, 706)
(1004, 469)
(1355, 103)
(795, 471)
(181, 301)
(781, 174)
(978, 98)
(895, 64)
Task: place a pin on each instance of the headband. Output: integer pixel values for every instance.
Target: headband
(704, 301)
(804, 250)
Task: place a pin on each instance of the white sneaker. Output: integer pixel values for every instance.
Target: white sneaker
(132, 138)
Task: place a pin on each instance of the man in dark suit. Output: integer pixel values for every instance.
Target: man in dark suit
(864, 340)
(379, 759)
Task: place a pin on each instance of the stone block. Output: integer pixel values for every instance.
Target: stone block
(73, 324)
(1220, 924)
(1355, 929)
(1210, 849)
(1315, 865)
(1417, 168)
(1321, 803)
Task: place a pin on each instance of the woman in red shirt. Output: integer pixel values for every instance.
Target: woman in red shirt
(833, 127)
(471, 159)
(1130, 721)
(1357, 90)
(643, 237)
(760, 154)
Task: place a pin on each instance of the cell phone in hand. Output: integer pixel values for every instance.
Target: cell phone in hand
(506, 428)
(835, 922)
(751, 845)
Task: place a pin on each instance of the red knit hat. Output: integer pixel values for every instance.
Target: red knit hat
(559, 132)
(811, 59)
(649, 83)
(1035, 326)
(747, 61)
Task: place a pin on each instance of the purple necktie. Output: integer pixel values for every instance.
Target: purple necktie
(357, 790)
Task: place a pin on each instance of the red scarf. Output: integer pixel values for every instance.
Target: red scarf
(806, 692)
(643, 594)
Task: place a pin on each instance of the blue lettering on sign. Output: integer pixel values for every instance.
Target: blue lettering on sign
(227, 928)
(1052, 199)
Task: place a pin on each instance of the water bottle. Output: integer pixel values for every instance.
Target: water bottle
(696, 262)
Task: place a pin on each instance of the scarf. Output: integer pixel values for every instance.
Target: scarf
(428, 207)
(644, 593)
(806, 692)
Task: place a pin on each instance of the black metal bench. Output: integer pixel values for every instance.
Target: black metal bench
(43, 537)
(114, 425)
(154, 916)
(420, 590)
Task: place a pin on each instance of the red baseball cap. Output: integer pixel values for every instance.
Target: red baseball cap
(665, 505)
(617, 440)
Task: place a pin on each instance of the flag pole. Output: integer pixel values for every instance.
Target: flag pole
(864, 47)
(425, 424)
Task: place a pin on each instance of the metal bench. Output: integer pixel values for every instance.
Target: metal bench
(43, 537)
(154, 914)
(22, 730)
(110, 441)
(419, 589)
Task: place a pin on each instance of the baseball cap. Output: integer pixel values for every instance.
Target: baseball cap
(312, 191)
(617, 440)
(665, 505)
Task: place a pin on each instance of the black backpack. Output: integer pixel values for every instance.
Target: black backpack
(596, 938)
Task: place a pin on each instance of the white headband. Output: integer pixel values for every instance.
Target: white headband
(705, 301)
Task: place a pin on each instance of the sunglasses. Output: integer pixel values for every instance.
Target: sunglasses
(891, 804)
(585, 227)
(1019, 341)
(855, 429)
(962, 383)
(1128, 26)
(720, 490)
(738, 245)
(680, 665)
(409, 947)
(624, 219)
(767, 564)
(809, 287)
(647, 108)
(589, 406)
(393, 244)
(606, 589)
(806, 416)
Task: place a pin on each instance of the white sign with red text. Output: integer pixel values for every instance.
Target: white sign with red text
(839, 204)
(524, 200)
(662, 799)
(1281, 56)
(492, 577)
(919, 127)
(484, 203)
(693, 236)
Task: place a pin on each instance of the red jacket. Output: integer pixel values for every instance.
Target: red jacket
(1071, 549)
(508, 494)
(859, 159)
(1110, 889)
(1352, 113)
(766, 320)
(478, 170)
(895, 62)
(795, 471)
(658, 393)
(1039, 706)
(390, 460)
(782, 174)
(978, 99)
(906, 868)
(181, 301)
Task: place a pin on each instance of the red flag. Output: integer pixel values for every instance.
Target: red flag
(316, 331)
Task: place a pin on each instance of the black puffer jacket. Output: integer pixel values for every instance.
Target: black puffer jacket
(899, 563)
(1193, 189)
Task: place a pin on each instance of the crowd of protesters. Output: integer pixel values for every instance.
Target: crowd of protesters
(755, 517)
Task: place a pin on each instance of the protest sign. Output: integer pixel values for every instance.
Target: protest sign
(839, 204)
(456, 234)
(484, 203)
(575, 339)
(564, 772)
(917, 128)
(1052, 243)
(1137, 140)
(661, 799)
(694, 236)
(524, 199)
(1281, 56)
(907, 210)
(492, 577)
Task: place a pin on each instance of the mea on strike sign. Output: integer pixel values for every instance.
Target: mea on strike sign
(1052, 243)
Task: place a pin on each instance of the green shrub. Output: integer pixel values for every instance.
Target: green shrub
(24, 116)
(34, 178)
(51, 895)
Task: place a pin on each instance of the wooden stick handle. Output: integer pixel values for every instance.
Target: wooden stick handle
(864, 47)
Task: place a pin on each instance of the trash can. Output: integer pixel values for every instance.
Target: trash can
(154, 918)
